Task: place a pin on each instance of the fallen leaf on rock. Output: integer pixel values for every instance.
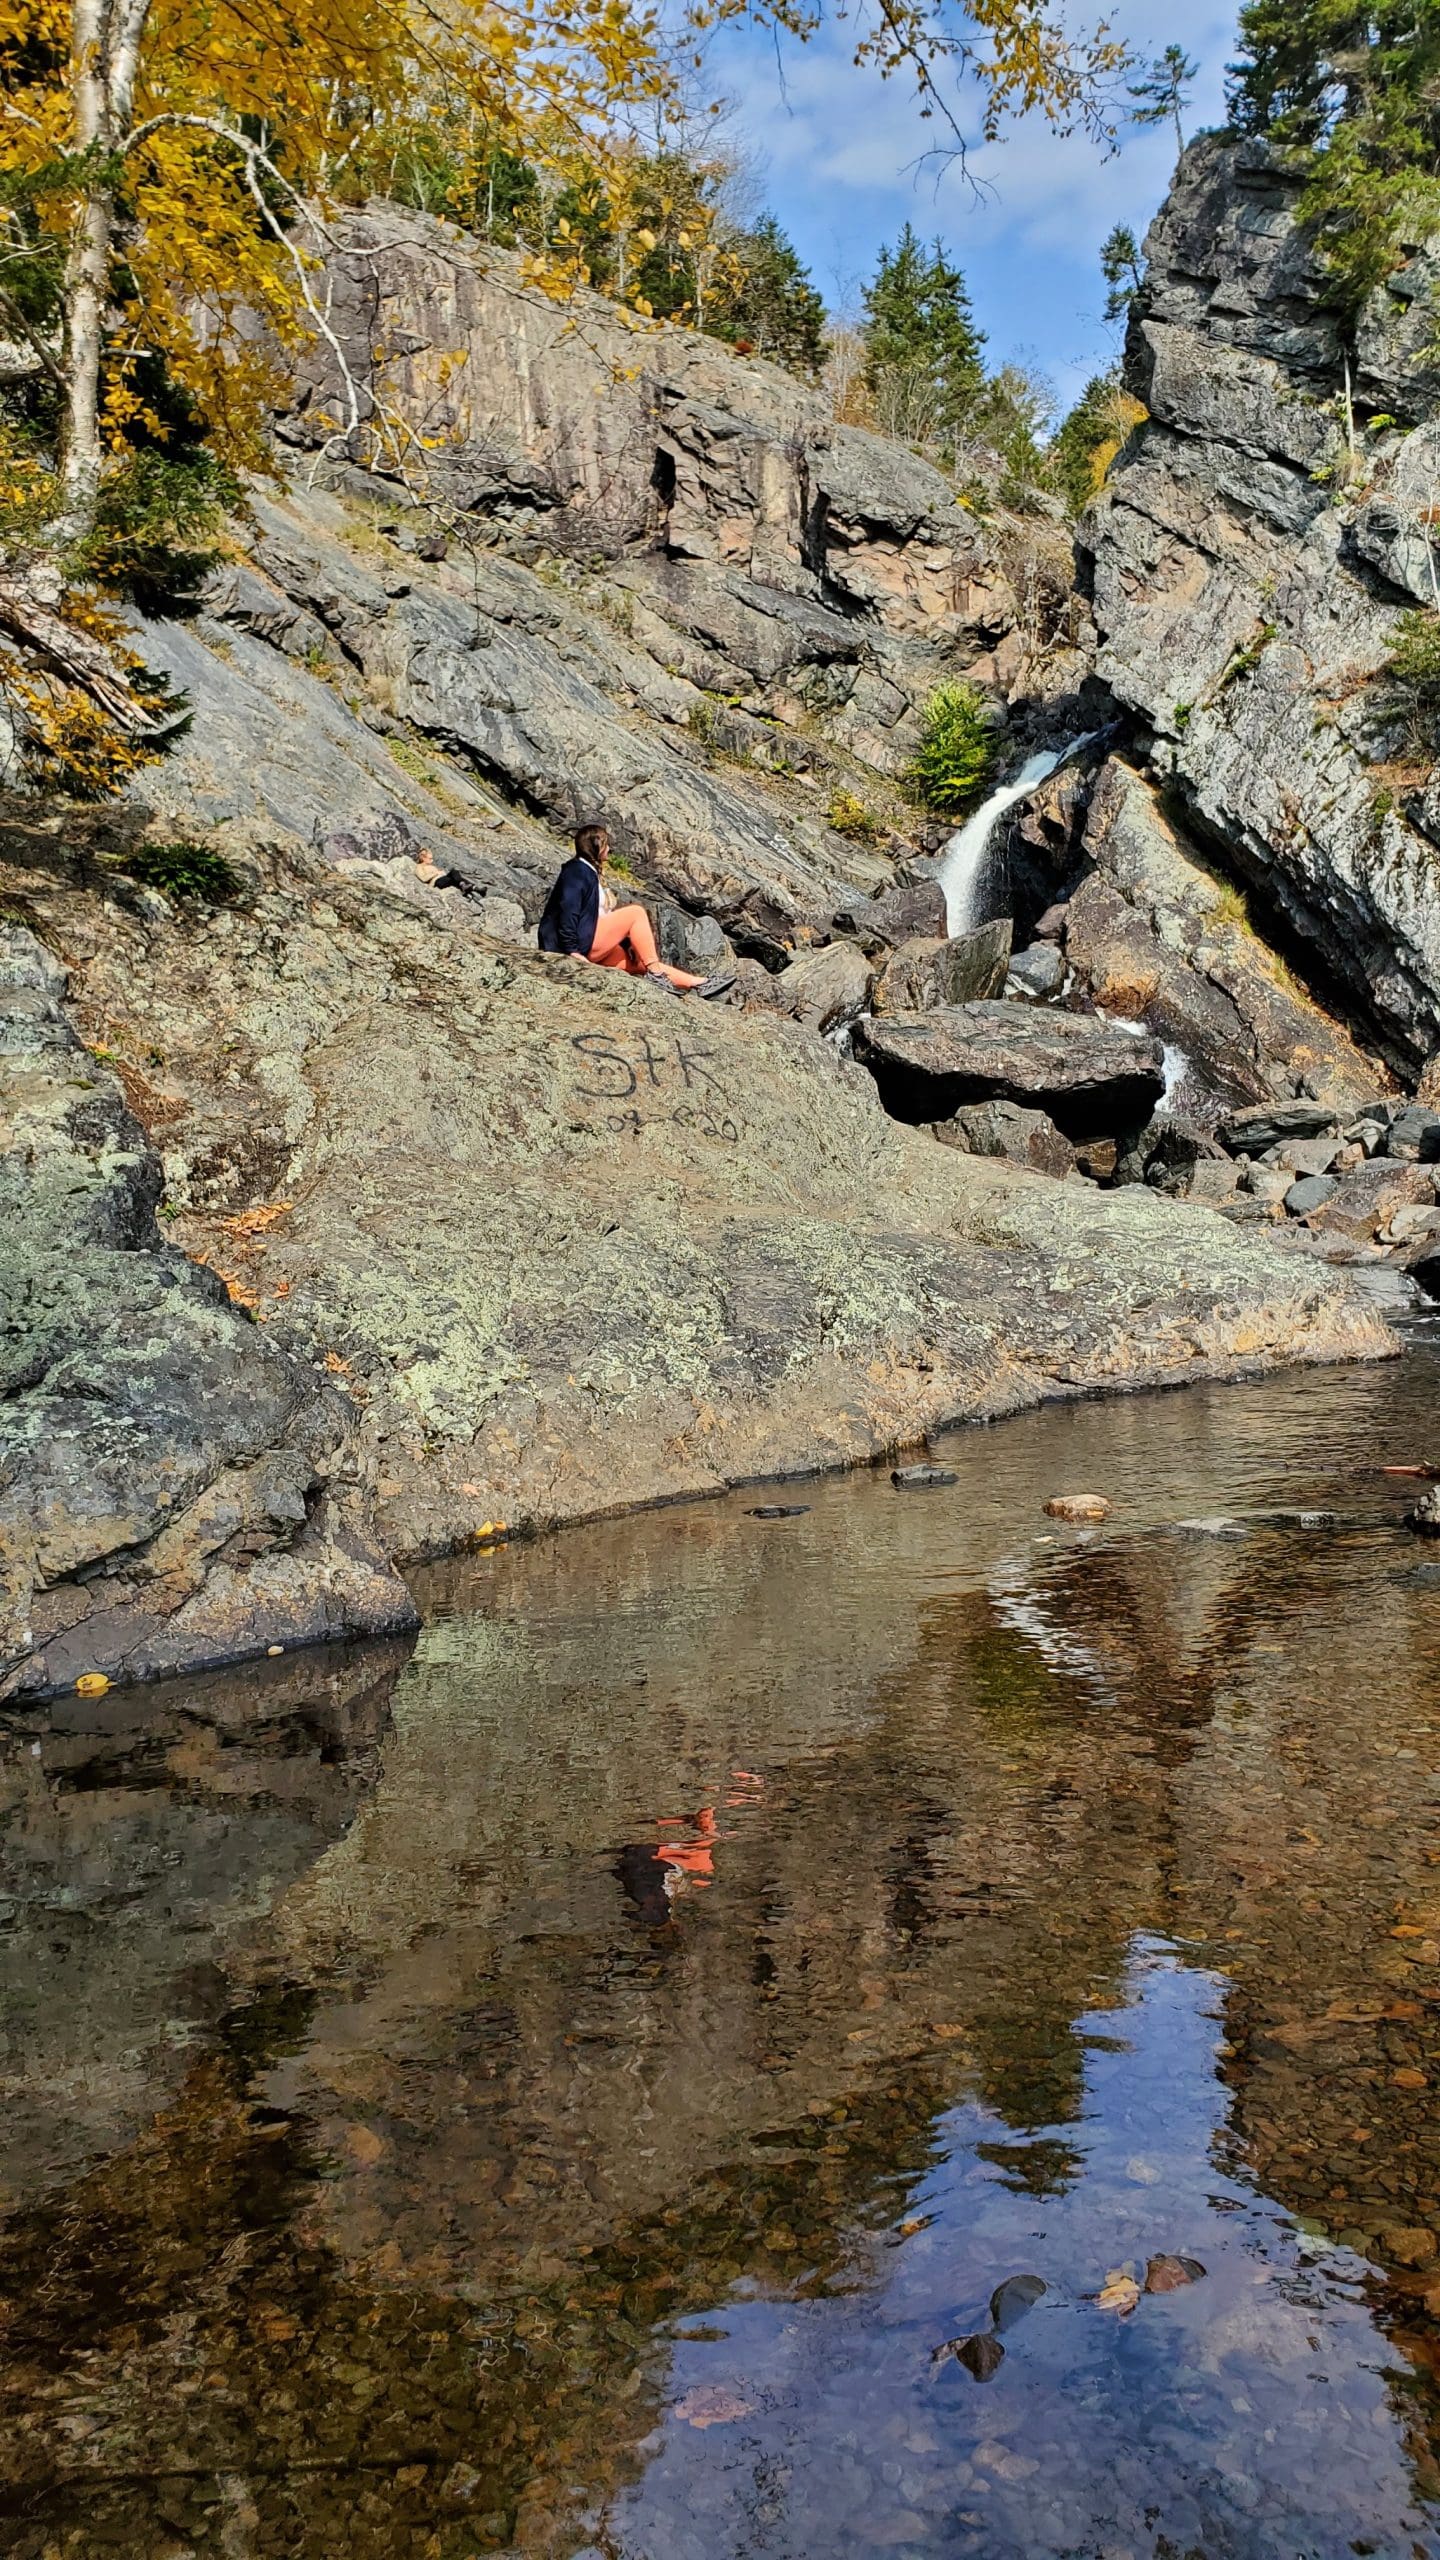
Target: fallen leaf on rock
(1166, 2274)
(980, 2354)
(1410, 2080)
(946, 2034)
(712, 2404)
(1011, 2300)
(1118, 2293)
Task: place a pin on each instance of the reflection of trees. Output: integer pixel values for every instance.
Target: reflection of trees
(397, 2258)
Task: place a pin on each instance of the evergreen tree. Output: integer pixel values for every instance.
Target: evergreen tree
(1090, 438)
(1120, 266)
(770, 302)
(1359, 87)
(1161, 96)
(923, 356)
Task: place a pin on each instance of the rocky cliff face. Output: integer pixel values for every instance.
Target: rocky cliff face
(521, 1241)
(506, 1239)
(1249, 565)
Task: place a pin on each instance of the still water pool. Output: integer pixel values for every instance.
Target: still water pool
(576, 2087)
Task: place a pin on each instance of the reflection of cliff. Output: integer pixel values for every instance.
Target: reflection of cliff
(138, 1841)
(398, 2256)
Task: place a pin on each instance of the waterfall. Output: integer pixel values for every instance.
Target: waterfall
(962, 870)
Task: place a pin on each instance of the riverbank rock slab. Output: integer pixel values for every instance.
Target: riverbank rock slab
(564, 1245)
(173, 1480)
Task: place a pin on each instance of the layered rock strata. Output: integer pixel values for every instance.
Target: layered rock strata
(563, 1244)
(1250, 557)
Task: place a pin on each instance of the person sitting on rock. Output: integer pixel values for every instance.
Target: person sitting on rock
(581, 916)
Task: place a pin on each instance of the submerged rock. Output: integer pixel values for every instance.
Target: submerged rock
(1090, 1077)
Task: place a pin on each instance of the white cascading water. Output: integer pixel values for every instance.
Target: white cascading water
(962, 870)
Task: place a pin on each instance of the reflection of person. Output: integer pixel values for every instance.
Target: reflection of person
(653, 1876)
(581, 917)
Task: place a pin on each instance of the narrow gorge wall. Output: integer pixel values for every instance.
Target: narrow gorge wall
(1249, 569)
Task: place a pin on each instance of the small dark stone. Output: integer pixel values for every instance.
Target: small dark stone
(780, 1511)
(1414, 1135)
(1269, 1124)
(1038, 971)
(981, 2355)
(1310, 1192)
(1011, 2300)
(916, 1479)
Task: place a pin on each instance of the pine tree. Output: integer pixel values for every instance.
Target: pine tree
(923, 351)
(1357, 83)
(1161, 96)
(772, 302)
(1090, 438)
(1120, 266)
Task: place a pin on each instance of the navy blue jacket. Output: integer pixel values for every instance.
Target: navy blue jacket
(572, 909)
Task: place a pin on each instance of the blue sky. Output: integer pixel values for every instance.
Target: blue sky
(836, 149)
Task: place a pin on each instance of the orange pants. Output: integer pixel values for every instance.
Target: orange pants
(625, 939)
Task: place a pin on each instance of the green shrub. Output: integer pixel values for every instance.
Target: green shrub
(194, 872)
(956, 754)
(1410, 686)
(850, 817)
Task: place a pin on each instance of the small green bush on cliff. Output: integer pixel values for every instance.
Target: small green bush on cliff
(193, 873)
(1411, 680)
(956, 754)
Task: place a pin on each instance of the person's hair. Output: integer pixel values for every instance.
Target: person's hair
(591, 843)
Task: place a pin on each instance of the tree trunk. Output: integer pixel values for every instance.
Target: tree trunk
(27, 612)
(86, 287)
(87, 275)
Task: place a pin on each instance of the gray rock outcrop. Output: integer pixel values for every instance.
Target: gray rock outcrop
(176, 1486)
(1248, 572)
(1091, 1078)
(561, 1246)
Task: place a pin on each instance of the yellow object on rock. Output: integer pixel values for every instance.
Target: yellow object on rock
(92, 1684)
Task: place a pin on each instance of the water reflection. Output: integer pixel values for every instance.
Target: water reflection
(561, 2102)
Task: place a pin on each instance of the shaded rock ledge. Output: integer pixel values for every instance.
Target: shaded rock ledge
(177, 1486)
(524, 1241)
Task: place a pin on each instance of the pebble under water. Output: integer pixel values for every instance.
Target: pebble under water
(594, 2084)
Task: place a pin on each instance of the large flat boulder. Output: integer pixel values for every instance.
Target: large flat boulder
(1091, 1077)
(565, 1244)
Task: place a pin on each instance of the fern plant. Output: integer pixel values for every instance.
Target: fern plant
(956, 754)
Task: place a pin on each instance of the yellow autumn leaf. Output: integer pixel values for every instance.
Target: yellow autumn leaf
(1118, 2293)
